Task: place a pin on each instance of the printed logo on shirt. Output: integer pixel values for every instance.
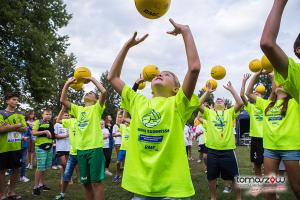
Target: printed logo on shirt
(151, 119)
(83, 121)
(258, 115)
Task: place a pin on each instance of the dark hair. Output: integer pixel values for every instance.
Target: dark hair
(46, 110)
(297, 43)
(10, 95)
(28, 113)
(284, 105)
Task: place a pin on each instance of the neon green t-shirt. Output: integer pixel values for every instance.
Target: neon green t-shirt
(280, 133)
(156, 162)
(292, 83)
(125, 131)
(11, 141)
(219, 132)
(71, 125)
(256, 120)
(89, 128)
(40, 125)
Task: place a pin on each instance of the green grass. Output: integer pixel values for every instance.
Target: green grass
(115, 192)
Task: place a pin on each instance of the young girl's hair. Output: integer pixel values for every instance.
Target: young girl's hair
(284, 105)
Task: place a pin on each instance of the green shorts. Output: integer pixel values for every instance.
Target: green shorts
(91, 165)
(44, 158)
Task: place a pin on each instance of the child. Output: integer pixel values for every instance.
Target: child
(25, 143)
(43, 129)
(220, 140)
(106, 147)
(116, 131)
(156, 141)
(287, 71)
(30, 118)
(281, 130)
(12, 124)
(71, 125)
(256, 128)
(90, 156)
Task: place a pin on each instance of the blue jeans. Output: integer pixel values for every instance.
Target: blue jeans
(23, 162)
(282, 154)
(71, 164)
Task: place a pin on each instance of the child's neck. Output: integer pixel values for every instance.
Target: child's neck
(162, 94)
(45, 120)
(10, 109)
(89, 103)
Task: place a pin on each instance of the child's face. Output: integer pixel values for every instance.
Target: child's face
(297, 52)
(219, 104)
(90, 97)
(102, 124)
(66, 116)
(13, 102)
(47, 115)
(119, 118)
(164, 80)
(257, 94)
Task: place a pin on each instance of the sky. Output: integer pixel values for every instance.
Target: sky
(226, 32)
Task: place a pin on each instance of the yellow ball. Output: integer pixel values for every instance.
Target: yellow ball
(152, 9)
(260, 89)
(213, 83)
(204, 88)
(142, 85)
(218, 72)
(81, 72)
(149, 72)
(266, 64)
(77, 86)
(255, 65)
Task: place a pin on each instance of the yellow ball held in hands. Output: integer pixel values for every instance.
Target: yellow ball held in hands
(77, 86)
(149, 72)
(218, 72)
(260, 89)
(80, 73)
(213, 84)
(142, 85)
(152, 9)
(255, 65)
(266, 64)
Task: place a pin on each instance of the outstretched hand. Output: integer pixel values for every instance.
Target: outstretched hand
(135, 41)
(209, 88)
(228, 86)
(178, 28)
(246, 77)
(140, 80)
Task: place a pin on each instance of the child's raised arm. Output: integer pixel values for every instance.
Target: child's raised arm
(191, 77)
(238, 101)
(268, 39)
(115, 71)
(242, 92)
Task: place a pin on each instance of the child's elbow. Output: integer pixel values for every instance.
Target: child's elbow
(267, 44)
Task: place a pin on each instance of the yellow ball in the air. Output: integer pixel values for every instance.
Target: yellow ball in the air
(266, 64)
(81, 72)
(149, 72)
(218, 72)
(77, 86)
(142, 85)
(255, 65)
(152, 9)
(213, 83)
(260, 89)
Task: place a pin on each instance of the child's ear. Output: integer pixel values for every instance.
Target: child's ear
(175, 90)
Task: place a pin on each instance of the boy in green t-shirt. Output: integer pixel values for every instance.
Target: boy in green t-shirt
(221, 159)
(90, 156)
(12, 124)
(287, 71)
(156, 163)
(43, 129)
(256, 125)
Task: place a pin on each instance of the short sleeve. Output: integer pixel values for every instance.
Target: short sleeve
(199, 129)
(261, 103)
(1, 120)
(56, 128)
(99, 108)
(36, 125)
(292, 83)
(65, 123)
(129, 98)
(74, 110)
(185, 106)
(115, 129)
(23, 122)
(232, 112)
(205, 113)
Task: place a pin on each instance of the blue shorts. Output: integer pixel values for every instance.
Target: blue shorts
(121, 155)
(71, 164)
(282, 154)
(221, 163)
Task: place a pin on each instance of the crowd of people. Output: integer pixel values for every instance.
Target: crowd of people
(149, 134)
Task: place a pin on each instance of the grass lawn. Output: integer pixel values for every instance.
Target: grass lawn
(115, 192)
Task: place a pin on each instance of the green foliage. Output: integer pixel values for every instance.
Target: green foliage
(113, 99)
(32, 54)
(210, 99)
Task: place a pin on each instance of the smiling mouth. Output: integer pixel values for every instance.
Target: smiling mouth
(158, 78)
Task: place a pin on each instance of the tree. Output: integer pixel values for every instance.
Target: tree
(30, 48)
(113, 99)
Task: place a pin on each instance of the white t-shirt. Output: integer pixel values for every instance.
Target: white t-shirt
(118, 140)
(199, 129)
(186, 135)
(105, 131)
(61, 144)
